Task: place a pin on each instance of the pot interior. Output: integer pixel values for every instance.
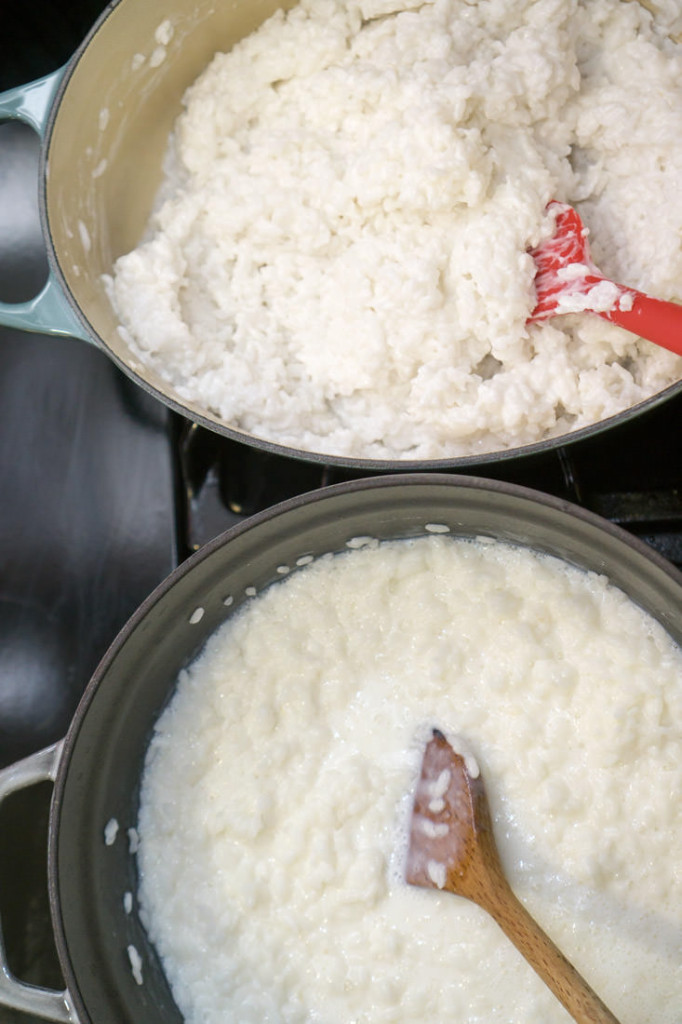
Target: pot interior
(119, 99)
(99, 776)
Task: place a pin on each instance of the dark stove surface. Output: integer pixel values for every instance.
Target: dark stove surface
(103, 492)
(87, 519)
(632, 476)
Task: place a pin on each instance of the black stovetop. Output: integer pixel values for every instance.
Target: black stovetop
(87, 512)
(631, 475)
(103, 492)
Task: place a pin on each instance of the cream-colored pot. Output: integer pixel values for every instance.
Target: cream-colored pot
(105, 120)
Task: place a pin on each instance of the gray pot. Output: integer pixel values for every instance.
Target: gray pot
(96, 770)
(104, 120)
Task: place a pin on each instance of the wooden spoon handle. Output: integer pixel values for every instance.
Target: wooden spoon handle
(558, 974)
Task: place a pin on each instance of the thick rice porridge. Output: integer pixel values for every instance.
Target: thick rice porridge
(278, 786)
(338, 259)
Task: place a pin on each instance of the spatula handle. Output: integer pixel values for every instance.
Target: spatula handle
(558, 974)
(653, 319)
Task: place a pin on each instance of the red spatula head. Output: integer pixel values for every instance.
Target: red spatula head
(567, 281)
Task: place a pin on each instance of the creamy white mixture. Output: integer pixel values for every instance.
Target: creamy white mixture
(278, 784)
(339, 259)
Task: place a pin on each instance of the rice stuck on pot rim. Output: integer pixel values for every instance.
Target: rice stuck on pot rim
(338, 258)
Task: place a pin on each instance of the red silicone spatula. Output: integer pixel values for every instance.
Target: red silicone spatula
(567, 281)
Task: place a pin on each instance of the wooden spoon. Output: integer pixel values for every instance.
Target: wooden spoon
(567, 281)
(452, 848)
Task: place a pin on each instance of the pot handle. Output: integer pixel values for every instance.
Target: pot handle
(31, 103)
(49, 312)
(43, 1002)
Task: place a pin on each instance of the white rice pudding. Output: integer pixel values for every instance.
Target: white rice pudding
(338, 258)
(278, 786)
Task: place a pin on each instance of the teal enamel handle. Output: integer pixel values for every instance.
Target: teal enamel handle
(49, 312)
(31, 103)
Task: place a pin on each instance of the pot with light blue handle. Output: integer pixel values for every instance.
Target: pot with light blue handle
(104, 120)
